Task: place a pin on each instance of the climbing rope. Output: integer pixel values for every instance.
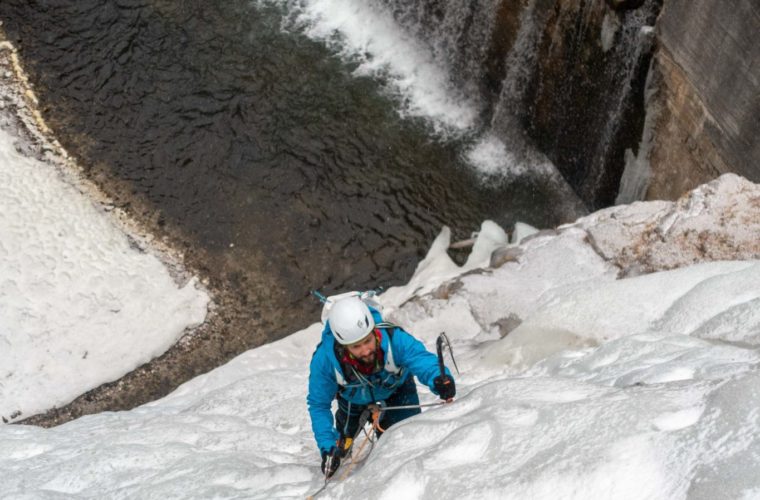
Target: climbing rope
(354, 458)
(375, 411)
(363, 418)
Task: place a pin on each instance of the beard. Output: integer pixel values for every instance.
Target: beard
(368, 359)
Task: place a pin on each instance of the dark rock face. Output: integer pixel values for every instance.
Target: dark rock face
(585, 103)
(565, 77)
(708, 63)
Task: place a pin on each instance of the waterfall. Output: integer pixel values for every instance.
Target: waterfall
(367, 35)
(637, 172)
(564, 78)
(635, 43)
(520, 61)
(458, 34)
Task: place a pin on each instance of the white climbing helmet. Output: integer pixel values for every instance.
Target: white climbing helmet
(350, 320)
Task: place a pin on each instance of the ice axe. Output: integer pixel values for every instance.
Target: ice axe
(443, 341)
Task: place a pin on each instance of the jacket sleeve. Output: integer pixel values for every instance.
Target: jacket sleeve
(322, 390)
(412, 354)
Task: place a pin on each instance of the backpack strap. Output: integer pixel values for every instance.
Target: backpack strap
(390, 364)
(339, 378)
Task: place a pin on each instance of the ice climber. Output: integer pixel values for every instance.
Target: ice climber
(363, 360)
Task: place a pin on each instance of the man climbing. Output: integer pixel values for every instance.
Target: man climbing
(363, 360)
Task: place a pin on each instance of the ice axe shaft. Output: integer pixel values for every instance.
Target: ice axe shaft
(443, 341)
(439, 349)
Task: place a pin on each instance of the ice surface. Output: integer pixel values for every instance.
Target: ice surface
(79, 304)
(521, 231)
(437, 266)
(645, 415)
(675, 302)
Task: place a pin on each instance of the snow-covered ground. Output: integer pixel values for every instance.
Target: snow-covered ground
(589, 371)
(80, 304)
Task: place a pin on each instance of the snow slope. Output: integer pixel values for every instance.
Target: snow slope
(80, 304)
(576, 383)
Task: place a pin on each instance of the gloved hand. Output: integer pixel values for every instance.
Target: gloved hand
(444, 386)
(330, 461)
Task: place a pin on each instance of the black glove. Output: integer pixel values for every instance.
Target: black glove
(330, 461)
(444, 386)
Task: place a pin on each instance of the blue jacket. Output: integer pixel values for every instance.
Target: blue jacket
(403, 355)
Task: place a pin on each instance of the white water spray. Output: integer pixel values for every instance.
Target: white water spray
(370, 37)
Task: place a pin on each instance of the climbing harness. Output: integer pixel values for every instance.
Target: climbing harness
(378, 409)
(374, 411)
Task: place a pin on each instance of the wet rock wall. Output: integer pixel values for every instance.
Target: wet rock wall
(663, 94)
(708, 98)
